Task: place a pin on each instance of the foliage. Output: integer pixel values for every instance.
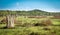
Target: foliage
(30, 26)
(46, 22)
(35, 12)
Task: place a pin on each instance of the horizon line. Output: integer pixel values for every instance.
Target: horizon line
(27, 10)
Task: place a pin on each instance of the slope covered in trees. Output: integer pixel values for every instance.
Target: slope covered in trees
(35, 12)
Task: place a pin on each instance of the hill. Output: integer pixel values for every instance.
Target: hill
(34, 12)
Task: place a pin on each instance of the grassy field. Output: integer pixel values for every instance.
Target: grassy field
(20, 29)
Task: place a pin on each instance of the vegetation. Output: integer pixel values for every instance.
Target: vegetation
(35, 22)
(35, 12)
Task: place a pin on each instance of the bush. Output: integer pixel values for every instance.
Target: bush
(38, 24)
(27, 25)
(46, 22)
(34, 33)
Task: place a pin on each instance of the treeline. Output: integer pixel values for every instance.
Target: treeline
(29, 13)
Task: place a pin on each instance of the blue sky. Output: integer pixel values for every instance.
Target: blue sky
(46, 5)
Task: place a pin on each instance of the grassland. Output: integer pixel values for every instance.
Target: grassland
(22, 27)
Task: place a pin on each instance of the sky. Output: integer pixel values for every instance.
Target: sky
(45, 5)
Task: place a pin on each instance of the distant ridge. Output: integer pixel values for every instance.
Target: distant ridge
(34, 12)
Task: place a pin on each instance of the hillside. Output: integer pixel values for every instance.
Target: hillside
(34, 12)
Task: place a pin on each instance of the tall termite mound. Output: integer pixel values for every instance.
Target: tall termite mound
(10, 21)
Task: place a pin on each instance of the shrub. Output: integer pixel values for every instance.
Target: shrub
(46, 28)
(27, 25)
(3, 21)
(38, 24)
(46, 22)
(34, 33)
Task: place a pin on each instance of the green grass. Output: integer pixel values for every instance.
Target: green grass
(28, 30)
(56, 21)
(36, 20)
(34, 30)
